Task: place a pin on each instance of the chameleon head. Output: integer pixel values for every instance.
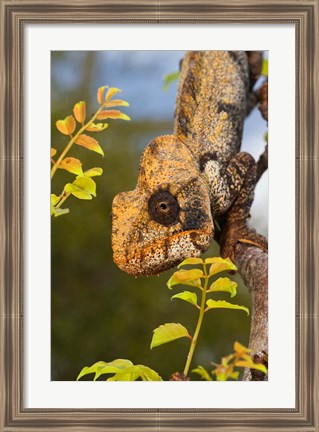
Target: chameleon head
(167, 217)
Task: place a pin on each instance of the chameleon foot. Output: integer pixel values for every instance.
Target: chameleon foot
(238, 232)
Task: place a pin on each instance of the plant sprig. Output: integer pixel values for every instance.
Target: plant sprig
(225, 370)
(83, 187)
(125, 370)
(122, 370)
(199, 279)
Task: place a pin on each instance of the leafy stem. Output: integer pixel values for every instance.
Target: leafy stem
(199, 279)
(172, 331)
(199, 323)
(65, 196)
(83, 187)
(73, 140)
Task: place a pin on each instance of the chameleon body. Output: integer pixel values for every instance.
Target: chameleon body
(188, 179)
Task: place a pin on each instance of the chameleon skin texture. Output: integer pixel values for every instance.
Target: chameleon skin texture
(143, 246)
(187, 179)
(211, 102)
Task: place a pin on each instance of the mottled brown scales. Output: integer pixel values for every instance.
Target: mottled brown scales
(187, 179)
(211, 102)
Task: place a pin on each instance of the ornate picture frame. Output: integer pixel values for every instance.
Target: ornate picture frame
(14, 16)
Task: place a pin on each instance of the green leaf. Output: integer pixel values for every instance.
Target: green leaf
(191, 261)
(132, 373)
(251, 365)
(128, 374)
(102, 367)
(187, 296)
(221, 373)
(264, 69)
(114, 366)
(186, 277)
(148, 374)
(55, 199)
(234, 375)
(219, 264)
(247, 361)
(169, 79)
(92, 172)
(221, 304)
(82, 187)
(241, 349)
(91, 369)
(223, 285)
(58, 211)
(200, 370)
(259, 367)
(123, 370)
(168, 333)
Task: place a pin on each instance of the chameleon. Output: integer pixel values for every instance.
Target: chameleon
(190, 179)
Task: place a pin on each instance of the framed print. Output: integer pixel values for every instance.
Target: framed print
(80, 81)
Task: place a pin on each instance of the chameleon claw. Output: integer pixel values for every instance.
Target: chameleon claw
(253, 244)
(239, 233)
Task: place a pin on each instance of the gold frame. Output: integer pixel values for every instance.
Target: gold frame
(304, 15)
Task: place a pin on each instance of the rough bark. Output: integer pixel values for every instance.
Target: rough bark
(255, 63)
(263, 96)
(252, 101)
(262, 164)
(252, 264)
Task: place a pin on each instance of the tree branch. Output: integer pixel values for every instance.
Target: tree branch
(262, 164)
(252, 264)
(255, 63)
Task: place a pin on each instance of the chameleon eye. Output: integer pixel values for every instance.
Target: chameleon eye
(163, 208)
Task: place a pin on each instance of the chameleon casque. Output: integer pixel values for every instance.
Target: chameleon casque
(193, 177)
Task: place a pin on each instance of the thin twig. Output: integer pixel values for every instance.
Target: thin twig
(262, 164)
